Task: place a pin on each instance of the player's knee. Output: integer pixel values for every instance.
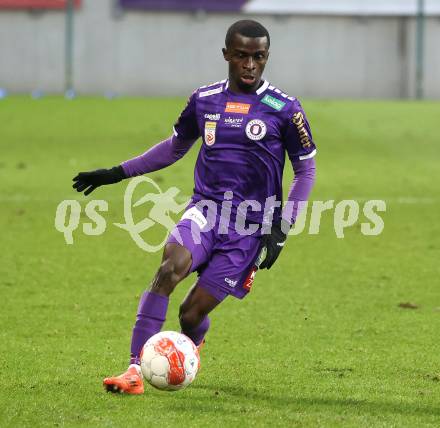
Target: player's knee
(166, 278)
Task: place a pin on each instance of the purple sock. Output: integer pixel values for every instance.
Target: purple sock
(151, 315)
(198, 334)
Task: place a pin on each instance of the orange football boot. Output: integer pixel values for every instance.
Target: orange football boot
(129, 382)
(200, 347)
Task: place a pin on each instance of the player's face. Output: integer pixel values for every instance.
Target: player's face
(247, 57)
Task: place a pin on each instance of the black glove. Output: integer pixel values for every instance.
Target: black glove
(274, 243)
(89, 181)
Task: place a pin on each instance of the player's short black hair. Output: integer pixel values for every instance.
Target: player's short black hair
(246, 28)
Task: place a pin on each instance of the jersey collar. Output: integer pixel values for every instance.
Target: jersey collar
(259, 91)
(262, 88)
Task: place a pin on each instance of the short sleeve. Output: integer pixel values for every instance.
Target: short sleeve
(298, 136)
(186, 127)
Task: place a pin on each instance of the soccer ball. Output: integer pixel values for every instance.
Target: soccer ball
(169, 361)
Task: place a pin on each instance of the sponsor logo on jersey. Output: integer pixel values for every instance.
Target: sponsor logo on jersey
(299, 122)
(211, 116)
(196, 216)
(250, 279)
(234, 122)
(210, 128)
(210, 92)
(239, 108)
(230, 282)
(256, 129)
(273, 102)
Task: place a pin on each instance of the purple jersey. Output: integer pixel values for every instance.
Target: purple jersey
(245, 138)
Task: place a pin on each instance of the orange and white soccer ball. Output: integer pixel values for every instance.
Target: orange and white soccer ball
(170, 361)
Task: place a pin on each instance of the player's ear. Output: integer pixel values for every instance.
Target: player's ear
(225, 54)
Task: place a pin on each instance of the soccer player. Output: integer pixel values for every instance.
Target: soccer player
(247, 126)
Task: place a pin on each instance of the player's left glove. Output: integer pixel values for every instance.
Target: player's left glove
(274, 243)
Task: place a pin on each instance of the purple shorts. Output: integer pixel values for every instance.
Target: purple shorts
(225, 262)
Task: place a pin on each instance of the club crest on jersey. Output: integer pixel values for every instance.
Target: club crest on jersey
(210, 128)
(256, 130)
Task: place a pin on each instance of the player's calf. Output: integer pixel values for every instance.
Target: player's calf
(153, 305)
(190, 319)
(151, 315)
(195, 328)
(193, 314)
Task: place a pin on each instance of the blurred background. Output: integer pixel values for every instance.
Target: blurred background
(340, 332)
(320, 48)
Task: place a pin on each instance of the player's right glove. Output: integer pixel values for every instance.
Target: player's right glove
(273, 243)
(89, 181)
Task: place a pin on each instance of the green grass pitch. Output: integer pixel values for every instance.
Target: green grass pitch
(320, 341)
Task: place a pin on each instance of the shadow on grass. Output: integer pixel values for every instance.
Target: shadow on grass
(217, 394)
